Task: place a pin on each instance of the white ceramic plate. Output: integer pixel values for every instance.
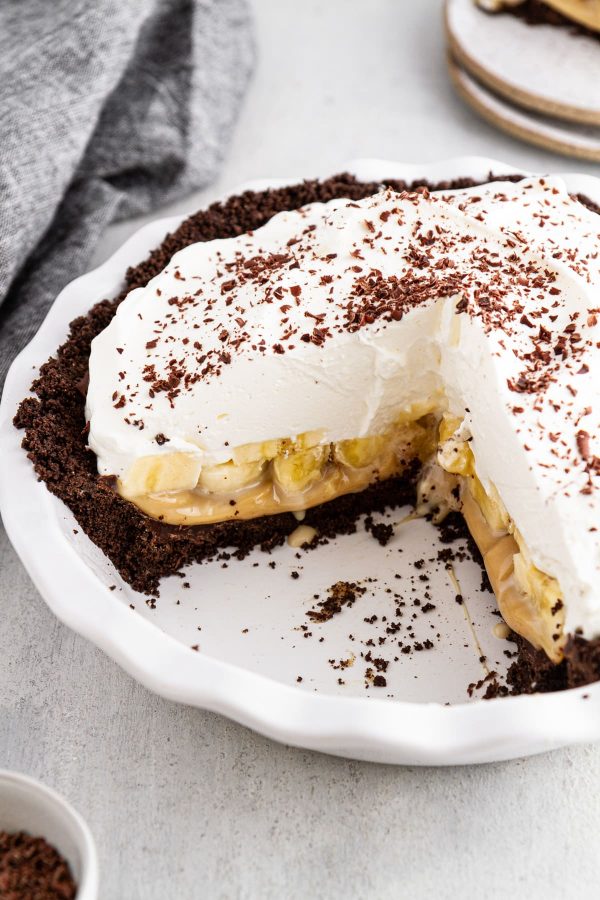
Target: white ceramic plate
(568, 138)
(253, 617)
(522, 63)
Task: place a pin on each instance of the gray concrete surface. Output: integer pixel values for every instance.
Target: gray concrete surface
(184, 804)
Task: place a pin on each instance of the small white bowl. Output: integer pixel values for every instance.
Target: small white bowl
(27, 805)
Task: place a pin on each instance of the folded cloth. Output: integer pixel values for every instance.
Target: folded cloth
(107, 109)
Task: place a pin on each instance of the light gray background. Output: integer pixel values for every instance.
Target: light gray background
(184, 804)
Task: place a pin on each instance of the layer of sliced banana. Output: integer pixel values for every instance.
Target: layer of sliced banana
(530, 600)
(272, 477)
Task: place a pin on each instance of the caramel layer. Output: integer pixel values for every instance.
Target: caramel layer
(264, 499)
(346, 470)
(525, 613)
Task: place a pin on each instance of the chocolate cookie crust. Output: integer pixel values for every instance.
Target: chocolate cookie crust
(142, 549)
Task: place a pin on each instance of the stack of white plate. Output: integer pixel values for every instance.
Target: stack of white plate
(540, 83)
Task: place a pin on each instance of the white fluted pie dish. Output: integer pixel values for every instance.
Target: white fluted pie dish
(239, 641)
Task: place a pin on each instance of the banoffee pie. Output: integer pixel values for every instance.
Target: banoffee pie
(326, 358)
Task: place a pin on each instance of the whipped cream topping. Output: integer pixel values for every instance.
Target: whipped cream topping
(338, 318)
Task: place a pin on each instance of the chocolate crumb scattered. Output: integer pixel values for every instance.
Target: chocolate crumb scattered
(341, 594)
(382, 532)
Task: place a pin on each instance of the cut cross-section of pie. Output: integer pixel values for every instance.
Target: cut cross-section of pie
(345, 343)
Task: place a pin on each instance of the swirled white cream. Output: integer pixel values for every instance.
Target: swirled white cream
(336, 320)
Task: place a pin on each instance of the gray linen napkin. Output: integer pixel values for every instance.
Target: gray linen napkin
(107, 109)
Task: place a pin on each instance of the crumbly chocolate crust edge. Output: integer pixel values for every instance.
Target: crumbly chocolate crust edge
(145, 551)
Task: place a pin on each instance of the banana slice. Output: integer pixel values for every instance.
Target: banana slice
(297, 471)
(276, 447)
(159, 473)
(360, 452)
(229, 477)
(247, 453)
(454, 453)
